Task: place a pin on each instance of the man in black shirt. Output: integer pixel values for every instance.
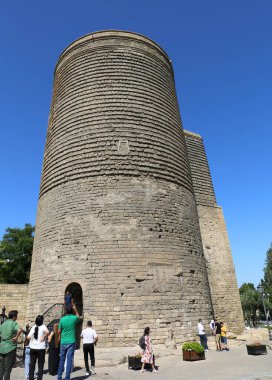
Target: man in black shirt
(217, 335)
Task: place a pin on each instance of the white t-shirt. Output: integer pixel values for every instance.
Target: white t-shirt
(89, 335)
(212, 325)
(200, 328)
(36, 344)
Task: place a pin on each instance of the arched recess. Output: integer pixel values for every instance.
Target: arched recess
(77, 295)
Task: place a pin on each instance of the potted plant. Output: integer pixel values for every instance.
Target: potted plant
(134, 361)
(193, 351)
(256, 348)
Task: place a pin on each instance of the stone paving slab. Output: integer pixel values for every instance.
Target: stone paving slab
(232, 365)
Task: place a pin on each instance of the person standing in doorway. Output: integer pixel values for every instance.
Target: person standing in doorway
(67, 331)
(90, 339)
(9, 334)
(202, 335)
(68, 300)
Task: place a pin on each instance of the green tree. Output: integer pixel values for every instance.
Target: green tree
(250, 299)
(267, 280)
(246, 286)
(15, 255)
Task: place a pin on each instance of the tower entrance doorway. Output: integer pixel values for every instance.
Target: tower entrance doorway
(77, 295)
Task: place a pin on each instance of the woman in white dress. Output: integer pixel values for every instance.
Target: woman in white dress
(148, 356)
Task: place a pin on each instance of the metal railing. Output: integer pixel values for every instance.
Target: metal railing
(53, 315)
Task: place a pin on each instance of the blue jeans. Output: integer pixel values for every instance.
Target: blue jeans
(66, 352)
(27, 361)
(203, 341)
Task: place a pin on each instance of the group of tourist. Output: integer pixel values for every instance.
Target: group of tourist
(62, 340)
(219, 330)
(61, 345)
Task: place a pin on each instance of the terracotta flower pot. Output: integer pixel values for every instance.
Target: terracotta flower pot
(192, 356)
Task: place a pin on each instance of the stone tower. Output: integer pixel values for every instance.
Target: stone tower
(221, 273)
(117, 220)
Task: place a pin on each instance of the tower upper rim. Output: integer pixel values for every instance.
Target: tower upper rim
(103, 34)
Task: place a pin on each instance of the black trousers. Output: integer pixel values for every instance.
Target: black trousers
(34, 356)
(6, 363)
(88, 348)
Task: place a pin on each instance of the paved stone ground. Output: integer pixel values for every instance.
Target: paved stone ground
(232, 365)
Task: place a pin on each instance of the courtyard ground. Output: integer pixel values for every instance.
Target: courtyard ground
(233, 365)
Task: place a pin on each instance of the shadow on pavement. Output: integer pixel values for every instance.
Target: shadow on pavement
(77, 369)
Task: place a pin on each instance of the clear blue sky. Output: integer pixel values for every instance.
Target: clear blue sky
(221, 52)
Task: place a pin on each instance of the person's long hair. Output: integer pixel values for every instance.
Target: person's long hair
(56, 333)
(38, 323)
(146, 331)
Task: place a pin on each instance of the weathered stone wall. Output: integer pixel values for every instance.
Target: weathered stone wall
(222, 278)
(14, 297)
(221, 273)
(117, 213)
(202, 182)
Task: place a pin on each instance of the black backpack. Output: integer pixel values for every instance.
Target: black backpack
(142, 342)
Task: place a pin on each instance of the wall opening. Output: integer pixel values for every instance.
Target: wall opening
(77, 295)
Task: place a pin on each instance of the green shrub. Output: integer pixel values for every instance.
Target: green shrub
(192, 346)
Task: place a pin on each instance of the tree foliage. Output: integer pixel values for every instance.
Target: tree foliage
(251, 301)
(267, 280)
(15, 255)
(246, 286)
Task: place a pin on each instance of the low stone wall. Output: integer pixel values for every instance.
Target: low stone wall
(251, 335)
(14, 297)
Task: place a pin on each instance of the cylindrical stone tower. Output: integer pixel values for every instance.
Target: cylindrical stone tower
(117, 220)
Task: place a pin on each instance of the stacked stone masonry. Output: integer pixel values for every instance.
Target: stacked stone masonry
(14, 297)
(117, 212)
(221, 273)
(202, 182)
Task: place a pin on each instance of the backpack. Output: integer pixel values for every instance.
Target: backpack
(142, 342)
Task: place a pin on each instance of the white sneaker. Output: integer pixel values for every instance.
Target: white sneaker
(93, 371)
(87, 374)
